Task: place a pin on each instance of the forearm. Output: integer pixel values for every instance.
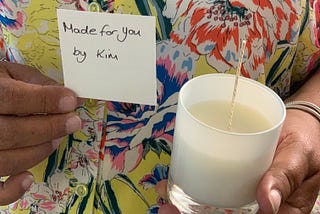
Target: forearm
(310, 91)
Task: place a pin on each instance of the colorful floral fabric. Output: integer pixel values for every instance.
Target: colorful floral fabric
(123, 150)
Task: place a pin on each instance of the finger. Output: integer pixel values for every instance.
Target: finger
(285, 175)
(168, 209)
(14, 187)
(25, 73)
(302, 200)
(19, 132)
(161, 189)
(15, 161)
(23, 98)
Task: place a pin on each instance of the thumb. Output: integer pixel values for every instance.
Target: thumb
(269, 202)
(284, 176)
(14, 187)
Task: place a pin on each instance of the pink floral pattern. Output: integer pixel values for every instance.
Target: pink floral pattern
(215, 29)
(125, 148)
(13, 16)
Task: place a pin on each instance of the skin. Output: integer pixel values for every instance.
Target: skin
(41, 112)
(35, 113)
(292, 183)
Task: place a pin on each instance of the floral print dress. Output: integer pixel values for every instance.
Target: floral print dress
(123, 150)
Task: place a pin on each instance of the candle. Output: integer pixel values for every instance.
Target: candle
(211, 165)
(209, 179)
(215, 114)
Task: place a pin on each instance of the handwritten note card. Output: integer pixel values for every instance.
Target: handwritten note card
(109, 56)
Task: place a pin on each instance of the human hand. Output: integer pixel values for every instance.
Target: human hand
(292, 183)
(161, 189)
(35, 112)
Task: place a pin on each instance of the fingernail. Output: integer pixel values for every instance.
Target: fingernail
(56, 142)
(67, 104)
(275, 198)
(73, 124)
(27, 182)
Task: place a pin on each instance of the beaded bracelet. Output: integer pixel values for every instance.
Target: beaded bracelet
(308, 107)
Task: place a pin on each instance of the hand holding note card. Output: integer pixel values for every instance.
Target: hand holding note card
(109, 56)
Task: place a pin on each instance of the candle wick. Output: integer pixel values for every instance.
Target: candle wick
(238, 73)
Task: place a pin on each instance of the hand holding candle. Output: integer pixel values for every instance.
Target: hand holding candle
(214, 168)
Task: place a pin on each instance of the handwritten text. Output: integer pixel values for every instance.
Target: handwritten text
(106, 30)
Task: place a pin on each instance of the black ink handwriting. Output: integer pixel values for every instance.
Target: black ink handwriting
(80, 55)
(77, 30)
(106, 54)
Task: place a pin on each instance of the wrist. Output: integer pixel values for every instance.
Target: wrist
(305, 106)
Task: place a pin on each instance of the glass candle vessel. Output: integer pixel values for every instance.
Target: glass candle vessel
(213, 168)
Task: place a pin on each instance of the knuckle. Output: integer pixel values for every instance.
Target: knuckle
(290, 179)
(51, 129)
(285, 180)
(38, 94)
(7, 95)
(48, 98)
(44, 100)
(53, 126)
(7, 136)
